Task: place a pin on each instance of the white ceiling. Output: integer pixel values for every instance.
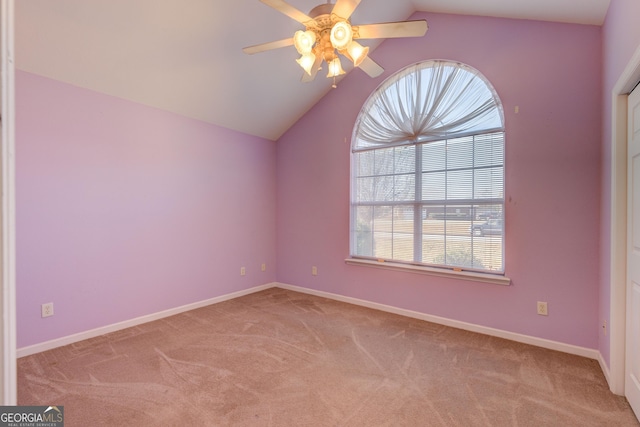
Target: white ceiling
(185, 56)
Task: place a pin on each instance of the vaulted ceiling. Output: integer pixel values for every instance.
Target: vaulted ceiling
(186, 56)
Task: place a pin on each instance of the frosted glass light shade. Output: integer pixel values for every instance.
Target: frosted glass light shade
(303, 41)
(306, 61)
(357, 52)
(335, 67)
(341, 35)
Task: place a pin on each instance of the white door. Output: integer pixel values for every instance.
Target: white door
(632, 364)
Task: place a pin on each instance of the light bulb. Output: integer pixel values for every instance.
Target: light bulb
(341, 35)
(303, 41)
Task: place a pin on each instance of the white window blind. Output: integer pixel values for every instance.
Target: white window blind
(428, 170)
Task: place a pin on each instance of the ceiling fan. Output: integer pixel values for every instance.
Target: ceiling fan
(328, 34)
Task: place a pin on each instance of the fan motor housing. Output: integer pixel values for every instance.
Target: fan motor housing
(323, 9)
(322, 16)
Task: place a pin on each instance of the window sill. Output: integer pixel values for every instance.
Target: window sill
(432, 271)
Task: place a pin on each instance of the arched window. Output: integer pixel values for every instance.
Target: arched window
(427, 172)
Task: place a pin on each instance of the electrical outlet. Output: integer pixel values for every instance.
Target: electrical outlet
(243, 271)
(314, 271)
(263, 267)
(47, 309)
(542, 308)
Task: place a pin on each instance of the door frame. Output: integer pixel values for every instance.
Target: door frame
(618, 225)
(8, 369)
(8, 372)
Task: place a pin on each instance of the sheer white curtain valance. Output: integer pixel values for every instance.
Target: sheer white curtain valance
(429, 101)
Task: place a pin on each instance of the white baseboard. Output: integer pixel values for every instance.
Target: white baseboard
(605, 370)
(525, 339)
(70, 339)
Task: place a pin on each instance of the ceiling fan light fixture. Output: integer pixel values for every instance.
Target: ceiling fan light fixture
(335, 68)
(306, 61)
(341, 35)
(304, 41)
(357, 53)
(328, 33)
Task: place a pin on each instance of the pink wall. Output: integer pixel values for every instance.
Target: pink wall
(621, 38)
(553, 73)
(124, 210)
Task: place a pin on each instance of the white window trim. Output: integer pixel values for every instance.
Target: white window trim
(474, 276)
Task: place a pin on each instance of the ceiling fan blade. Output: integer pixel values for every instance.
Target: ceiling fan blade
(306, 78)
(250, 50)
(391, 30)
(288, 10)
(371, 67)
(344, 8)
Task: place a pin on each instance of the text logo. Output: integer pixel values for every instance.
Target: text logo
(31, 416)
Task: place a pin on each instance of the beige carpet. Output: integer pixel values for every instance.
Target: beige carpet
(281, 358)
